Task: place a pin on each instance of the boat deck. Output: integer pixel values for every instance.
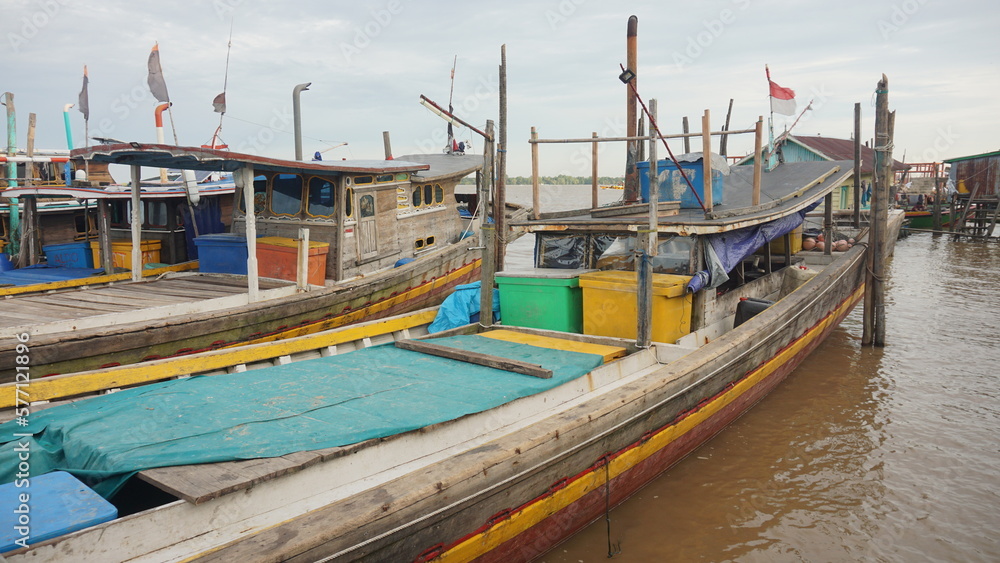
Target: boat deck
(76, 303)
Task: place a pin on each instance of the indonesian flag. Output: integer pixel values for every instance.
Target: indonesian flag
(782, 99)
(219, 103)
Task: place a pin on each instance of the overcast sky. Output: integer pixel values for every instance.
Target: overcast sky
(368, 63)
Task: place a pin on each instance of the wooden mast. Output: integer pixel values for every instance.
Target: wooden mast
(631, 188)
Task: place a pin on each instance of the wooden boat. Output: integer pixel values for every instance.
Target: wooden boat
(924, 218)
(392, 227)
(439, 479)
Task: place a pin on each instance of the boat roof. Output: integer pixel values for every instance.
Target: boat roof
(118, 191)
(444, 165)
(788, 188)
(197, 158)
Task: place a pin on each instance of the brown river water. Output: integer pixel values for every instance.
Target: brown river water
(862, 454)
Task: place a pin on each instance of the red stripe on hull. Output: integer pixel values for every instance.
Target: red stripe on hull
(541, 538)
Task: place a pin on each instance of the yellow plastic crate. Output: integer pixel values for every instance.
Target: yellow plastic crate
(121, 252)
(609, 305)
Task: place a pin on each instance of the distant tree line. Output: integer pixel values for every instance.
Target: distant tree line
(561, 179)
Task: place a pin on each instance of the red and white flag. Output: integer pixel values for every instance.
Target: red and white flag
(782, 99)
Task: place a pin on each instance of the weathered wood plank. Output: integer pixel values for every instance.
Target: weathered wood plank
(476, 358)
(663, 209)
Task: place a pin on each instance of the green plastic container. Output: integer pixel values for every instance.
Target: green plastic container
(543, 298)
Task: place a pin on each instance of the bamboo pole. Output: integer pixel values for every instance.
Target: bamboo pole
(706, 161)
(534, 174)
(936, 221)
(828, 224)
(593, 174)
(758, 166)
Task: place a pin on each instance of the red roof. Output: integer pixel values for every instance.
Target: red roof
(842, 149)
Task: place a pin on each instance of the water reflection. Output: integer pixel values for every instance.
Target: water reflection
(862, 454)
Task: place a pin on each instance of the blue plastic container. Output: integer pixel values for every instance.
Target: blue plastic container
(57, 504)
(69, 255)
(222, 253)
(674, 188)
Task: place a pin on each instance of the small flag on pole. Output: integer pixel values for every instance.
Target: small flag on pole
(782, 99)
(155, 79)
(83, 102)
(219, 103)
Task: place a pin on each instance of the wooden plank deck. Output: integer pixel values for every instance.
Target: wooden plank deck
(38, 308)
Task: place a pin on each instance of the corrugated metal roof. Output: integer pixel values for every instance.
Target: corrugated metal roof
(984, 155)
(842, 149)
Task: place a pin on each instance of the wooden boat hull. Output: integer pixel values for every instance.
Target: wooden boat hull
(510, 483)
(925, 219)
(419, 284)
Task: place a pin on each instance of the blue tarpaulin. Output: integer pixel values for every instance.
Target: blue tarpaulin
(268, 412)
(43, 273)
(725, 250)
(461, 308)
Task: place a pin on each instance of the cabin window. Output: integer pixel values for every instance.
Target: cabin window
(367, 205)
(86, 226)
(286, 194)
(349, 202)
(156, 214)
(418, 244)
(259, 195)
(844, 192)
(119, 214)
(438, 193)
(417, 197)
(360, 180)
(383, 178)
(320, 197)
(428, 194)
(403, 177)
(430, 241)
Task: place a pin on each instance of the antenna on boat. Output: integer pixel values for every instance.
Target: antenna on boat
(219, 103)
(452, 145)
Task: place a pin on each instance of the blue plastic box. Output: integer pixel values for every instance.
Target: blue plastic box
(222, 253)
(57, 504)
(674, 188)
(69, 255)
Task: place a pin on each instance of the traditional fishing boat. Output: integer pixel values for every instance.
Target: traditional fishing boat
(386, 236)
(491, 443)
(644, 329)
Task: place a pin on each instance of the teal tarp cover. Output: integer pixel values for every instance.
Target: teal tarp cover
(274, 411)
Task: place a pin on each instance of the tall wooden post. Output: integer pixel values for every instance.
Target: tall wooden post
(535, 200)
(936, 225)
(593, 173)
(136, 224)
(706, 161)
(646, 244)
(685, 128)
(874, 314)
(758, 166)
(253, 286)
(386, 145)
(487, 277)
(857, 166)
(14, 219)
(501, 200)
(631, 188)
(487, 193)
(827, 226)
(104, 235)
(725, 137)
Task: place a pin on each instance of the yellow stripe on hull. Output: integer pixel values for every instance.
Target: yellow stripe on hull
(534, 513)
